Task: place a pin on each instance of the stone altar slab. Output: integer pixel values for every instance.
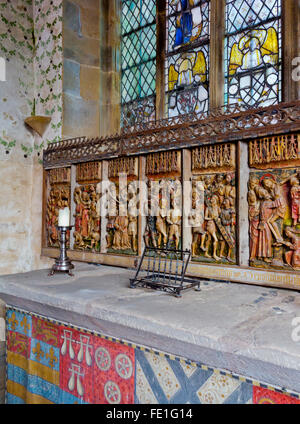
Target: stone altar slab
(243, 329)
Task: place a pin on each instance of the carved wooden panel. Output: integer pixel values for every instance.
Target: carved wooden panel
(213, 219)
(164, 218)
(122, 219)
(59, 176)
(218, 157)
(59, 193)
(87, 218)
(274, 217)
(275, 151)
(126, 166)
(163, 163)
(88, 172)
(86, 197)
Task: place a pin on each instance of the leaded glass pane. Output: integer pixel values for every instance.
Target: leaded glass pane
(148, 43)
(187, 79)
(253, 52)
(187, 24)
(131, 15)
(187, 63)
(243, 14)
(138, 56)
(147, 81)
(130, 84)
(138, 112)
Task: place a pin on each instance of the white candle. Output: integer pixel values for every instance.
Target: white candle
(64, 217)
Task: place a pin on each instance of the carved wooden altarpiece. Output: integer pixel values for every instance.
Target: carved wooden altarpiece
(86, 197)
(58, 197)
(237, 234)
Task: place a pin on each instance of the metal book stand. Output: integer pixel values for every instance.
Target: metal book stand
(164, 270)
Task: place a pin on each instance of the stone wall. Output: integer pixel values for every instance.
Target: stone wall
(81, 82)
(30, 43)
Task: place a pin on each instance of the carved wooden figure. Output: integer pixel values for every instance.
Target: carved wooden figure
(163, 223)
(214, 232)
(273, 200)
(122, 225)
(87, 218)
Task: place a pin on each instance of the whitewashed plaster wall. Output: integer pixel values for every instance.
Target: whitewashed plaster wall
(31, 44)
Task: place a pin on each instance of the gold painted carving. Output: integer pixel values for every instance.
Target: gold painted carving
(59, 176)
(216, 158)
(163, 225)
(163, 163)
(277, 151)
(88, 172)
(128, 166)
(122, 220)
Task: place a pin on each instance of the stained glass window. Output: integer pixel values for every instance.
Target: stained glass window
(138, 61)
(187, 58)
(253, 52)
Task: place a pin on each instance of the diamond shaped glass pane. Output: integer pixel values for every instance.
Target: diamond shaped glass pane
(131, 50)
(131, 15)
(241, 14)
(148, 43)
(130, 84)
(147, 80)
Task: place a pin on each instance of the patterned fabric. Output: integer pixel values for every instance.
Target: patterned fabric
(263, 396)
(53, 363)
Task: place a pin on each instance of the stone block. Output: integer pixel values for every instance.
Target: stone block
(71, 77)
(71, 17)
(89, 83)
(81, 49)
(81, 117)
(89, 4)
(90, 22)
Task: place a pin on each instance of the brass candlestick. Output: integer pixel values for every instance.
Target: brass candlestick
(63, 263)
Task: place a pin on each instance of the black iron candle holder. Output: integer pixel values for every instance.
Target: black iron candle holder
(63, 263)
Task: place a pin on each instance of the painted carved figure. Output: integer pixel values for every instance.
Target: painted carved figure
(295, 197)
(87, 218)
(161, 223)
(292, 257)
(267, 207)
(254, 209)
(216, 238)
(276, 194)
(227, 217)
(121, 238)
(212, 213)
(274, 205)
